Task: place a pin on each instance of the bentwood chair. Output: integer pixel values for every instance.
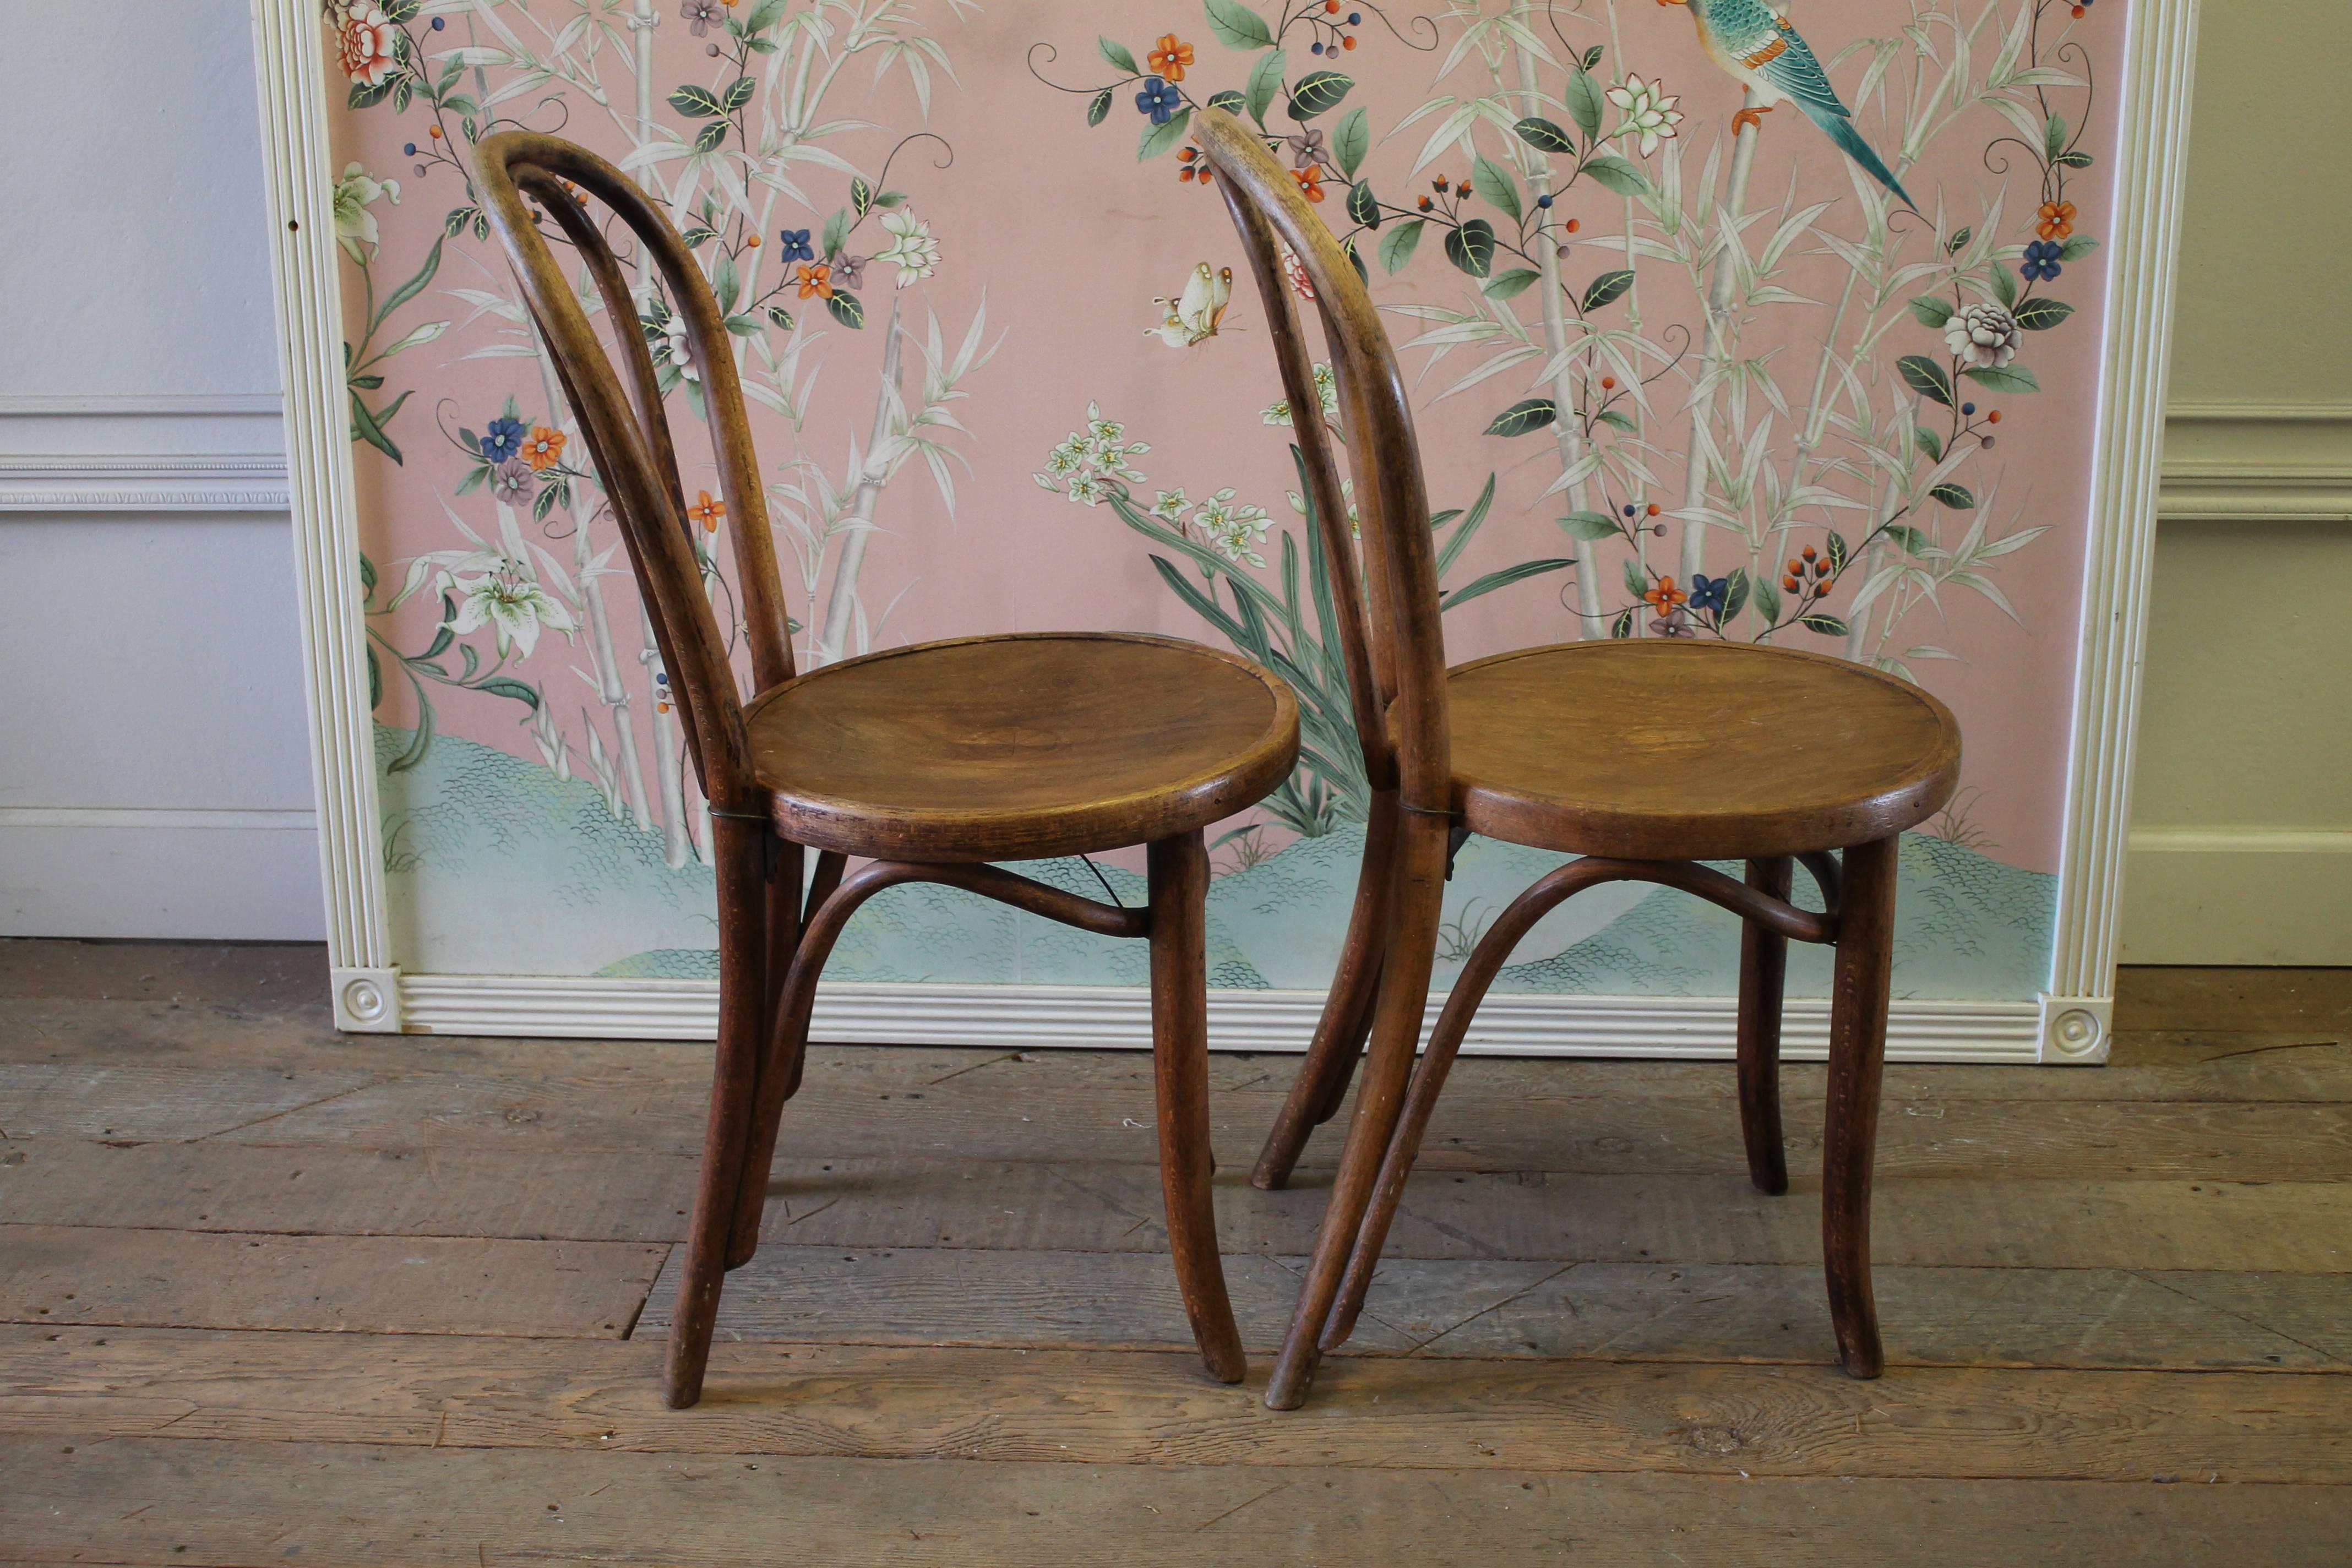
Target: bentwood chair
(1644, 757)
(929, 760)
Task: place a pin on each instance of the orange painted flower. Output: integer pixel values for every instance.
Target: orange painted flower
(1310, 179)
(1170, 58)
(817, 279)
(707, 511)
(1665, 598)
(2057, 220)
(544, 448)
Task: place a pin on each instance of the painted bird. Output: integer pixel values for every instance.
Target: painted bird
(1752, 41)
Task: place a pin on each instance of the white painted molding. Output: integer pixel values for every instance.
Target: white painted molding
(78, 482)
(291, 78)
(2243, 840)
(139, 405)
(2074, 1031)
(1112, 1017)
(2151, 161)
(367, 1001)
(143, 818)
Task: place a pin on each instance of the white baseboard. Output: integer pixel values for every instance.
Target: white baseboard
(1115, 1017)
(2238, 895)
(248, 875)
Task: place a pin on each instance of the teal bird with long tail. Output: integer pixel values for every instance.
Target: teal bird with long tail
(1756, 45)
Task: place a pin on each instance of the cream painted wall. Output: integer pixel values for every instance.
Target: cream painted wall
(2241, 841)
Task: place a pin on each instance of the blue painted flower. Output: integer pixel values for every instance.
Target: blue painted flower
(796, 244)
(1706, 593)
(504, 441)
(1159, 100)
(2041, 263)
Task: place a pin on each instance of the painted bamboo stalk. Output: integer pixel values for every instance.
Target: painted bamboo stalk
(1591, 619)
(841, 603)
(1718, 313)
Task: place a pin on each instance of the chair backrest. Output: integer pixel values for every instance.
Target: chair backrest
(630, 447)
(1396, 656)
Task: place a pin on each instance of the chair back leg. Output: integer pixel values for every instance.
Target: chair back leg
(1412, 949)
(1858, 997)
(1763, 971)
(1179, 870)
(1347, 1021)
(740, 850)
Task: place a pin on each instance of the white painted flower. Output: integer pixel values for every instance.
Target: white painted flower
(1982, 337)
(1093, 464)
(510, 601)
(911, 250)
(1650, 113)
(355, 193)
(676, 351)
(1233, 531)
(1327, 392)
(1170, 506)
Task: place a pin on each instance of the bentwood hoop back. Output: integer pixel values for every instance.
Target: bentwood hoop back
(929, 760)
(1613, 750)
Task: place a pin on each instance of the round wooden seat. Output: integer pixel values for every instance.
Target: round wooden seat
(1019, 747)
(1666, 750)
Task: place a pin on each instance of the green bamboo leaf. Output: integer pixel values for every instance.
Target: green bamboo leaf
(1956, 497)
(1265, 84)
(1611, 417)
(1543, 135)
(1607, 288)
(1524, 417)
(846, 310)
(1589, 525)
(1583, 98)
(699, 101)
(1925, 377)
(1350, 139)
(1237, 26)
(1397, 245)
(1317, 92)
(410, 289)
(2005, 378)
(1158, 139)
(1363, 207)
(2041, 315)
(1616, 174)
(1508, 285)
(1116, 54)
(1100, 108)
(1931, 310)
(1909, 538)
(507, 686)
(1471, 247)
(1494, 182)
(1502, 578)
(1472, 522)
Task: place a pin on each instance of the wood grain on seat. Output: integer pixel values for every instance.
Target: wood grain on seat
(1659, 750)
(1020, 747)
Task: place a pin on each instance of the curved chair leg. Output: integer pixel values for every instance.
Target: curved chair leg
(1178, 870)
(1763, 969)
(1411, 948)
(1858, 997)
(1322, 1082)
(742, 1009)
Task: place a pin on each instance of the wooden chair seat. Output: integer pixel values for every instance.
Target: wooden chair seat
(1019, 747)
(1659, 750)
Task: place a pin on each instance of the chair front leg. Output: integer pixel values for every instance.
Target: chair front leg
(1179, 870)
(1858, 997)
(1322, 1082)
(1411, 948)
(744, 1007)
(1763, 973)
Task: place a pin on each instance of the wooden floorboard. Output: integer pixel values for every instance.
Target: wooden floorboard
(272, 1294)
(232, 1503)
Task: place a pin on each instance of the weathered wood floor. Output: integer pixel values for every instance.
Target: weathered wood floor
(272, 1295)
